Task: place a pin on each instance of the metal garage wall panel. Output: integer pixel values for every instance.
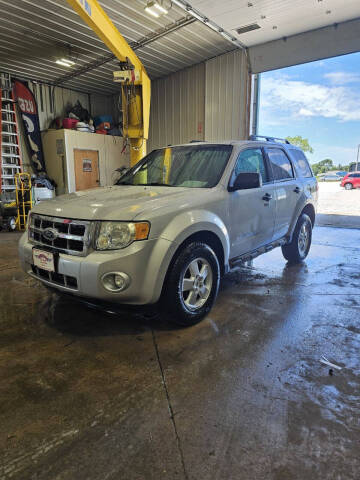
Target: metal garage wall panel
(178, 108)
(226, 97)
(102, 105)
(55, 107)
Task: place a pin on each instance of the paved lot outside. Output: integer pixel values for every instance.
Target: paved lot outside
(334, 199)
(89, 396)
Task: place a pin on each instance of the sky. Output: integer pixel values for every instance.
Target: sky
(319, 101)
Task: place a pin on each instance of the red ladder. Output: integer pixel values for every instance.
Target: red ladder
(9, 140)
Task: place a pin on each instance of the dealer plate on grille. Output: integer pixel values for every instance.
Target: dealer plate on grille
(44, 260)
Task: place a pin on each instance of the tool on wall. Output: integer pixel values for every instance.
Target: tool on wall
(132, 76)
(9, 140)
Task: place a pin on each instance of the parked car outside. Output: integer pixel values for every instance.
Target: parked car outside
(341, 174)
(173, 224)
(351, 180)
(328, 177)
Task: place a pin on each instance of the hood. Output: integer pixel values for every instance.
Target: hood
(123, 202)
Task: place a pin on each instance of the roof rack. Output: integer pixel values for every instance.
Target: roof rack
(269, 139)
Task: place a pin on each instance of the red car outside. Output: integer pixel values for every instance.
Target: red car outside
(351, 180)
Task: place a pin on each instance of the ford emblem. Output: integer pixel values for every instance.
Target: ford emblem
(50, 234)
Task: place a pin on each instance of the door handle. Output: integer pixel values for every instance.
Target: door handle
(267, 197)
(297, 189)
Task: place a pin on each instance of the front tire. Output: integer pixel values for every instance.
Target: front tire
(191, 285)
(348, 186)
(298, 249)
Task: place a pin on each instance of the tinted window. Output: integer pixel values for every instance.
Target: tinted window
(301, 163)
(249, 161)
(280, 164)
(193, 167)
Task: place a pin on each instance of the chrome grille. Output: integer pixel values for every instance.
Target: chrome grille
(60, 234)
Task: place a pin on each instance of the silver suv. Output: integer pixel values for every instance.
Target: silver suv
(173, 224)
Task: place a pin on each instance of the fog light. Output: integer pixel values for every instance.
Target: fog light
(115, 281)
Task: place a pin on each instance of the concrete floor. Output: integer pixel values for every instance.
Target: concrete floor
(86, 395)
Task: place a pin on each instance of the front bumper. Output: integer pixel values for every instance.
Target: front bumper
(145, 262)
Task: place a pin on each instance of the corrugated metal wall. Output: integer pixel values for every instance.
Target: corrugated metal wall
(53, 101)
(206, 102)
(103, 105)
(226, 97)
(178, 108)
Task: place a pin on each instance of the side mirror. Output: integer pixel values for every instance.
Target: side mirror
(122, 171)
(245, 181)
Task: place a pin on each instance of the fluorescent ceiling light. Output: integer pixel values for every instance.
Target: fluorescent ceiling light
(161, 8)
(68, 61)
(152, 11)
(63, 63)
(155, 8)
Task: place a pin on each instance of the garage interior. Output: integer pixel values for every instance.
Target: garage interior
(93, 394)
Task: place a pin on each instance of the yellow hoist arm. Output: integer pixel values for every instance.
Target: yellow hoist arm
(137, 114)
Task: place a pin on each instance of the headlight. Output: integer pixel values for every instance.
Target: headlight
(116, 235)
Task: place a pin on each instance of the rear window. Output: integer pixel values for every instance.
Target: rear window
(301, 164)
(280, 164)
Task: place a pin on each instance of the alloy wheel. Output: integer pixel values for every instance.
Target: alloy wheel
(196, 283)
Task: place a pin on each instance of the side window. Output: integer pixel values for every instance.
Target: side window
(280, 164)
(301, 164)
(249, 161)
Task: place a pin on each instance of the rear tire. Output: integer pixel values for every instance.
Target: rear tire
(298, 249)
(191, 285)
(348, 186)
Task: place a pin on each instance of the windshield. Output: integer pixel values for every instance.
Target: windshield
(198, 166)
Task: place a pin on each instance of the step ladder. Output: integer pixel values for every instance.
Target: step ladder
(9, 141)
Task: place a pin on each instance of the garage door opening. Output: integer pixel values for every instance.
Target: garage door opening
(317, 106)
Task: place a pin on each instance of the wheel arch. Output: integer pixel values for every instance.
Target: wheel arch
(309, 210)
(208, 237)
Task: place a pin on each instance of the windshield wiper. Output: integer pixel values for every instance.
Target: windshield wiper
(155, 184)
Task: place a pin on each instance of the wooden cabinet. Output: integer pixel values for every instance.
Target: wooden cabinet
(80, 160)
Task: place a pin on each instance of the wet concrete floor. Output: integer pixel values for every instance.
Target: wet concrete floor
(243, 395)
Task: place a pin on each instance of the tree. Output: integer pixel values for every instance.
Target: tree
(323, 166)
(303, 143)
